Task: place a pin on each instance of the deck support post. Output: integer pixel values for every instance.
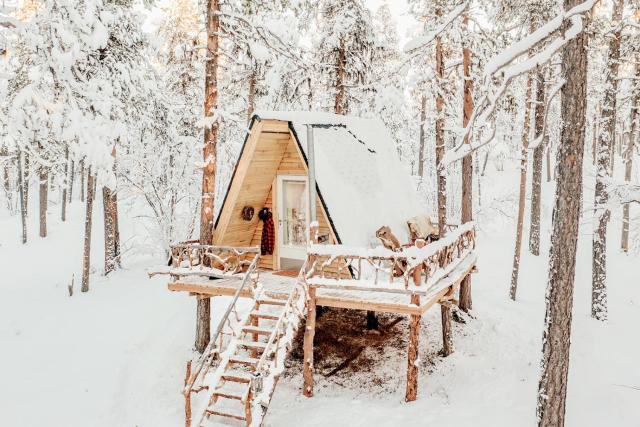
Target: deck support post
(187, 397)
(309, 333)
(447, 342)
(412, 353)
(465, 294)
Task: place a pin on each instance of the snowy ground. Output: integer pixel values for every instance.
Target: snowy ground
(115, 356)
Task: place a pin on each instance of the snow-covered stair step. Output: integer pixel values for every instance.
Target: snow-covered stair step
(243, 360)
(232, 394)
(253, 345)
(236, 375)
(263, 315)
(272, 301)
(257, 330)
(215, 422)
(226, 413)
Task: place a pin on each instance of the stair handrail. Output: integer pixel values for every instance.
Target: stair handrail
(204, 358)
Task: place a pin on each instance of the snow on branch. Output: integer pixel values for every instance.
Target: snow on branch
(623, 193)
(499, 72)
(423, 41)
(554, 91)
(270, 39)
(7, 21)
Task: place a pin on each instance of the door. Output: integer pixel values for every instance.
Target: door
(293, 220)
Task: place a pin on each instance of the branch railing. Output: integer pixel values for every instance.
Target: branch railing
(385, 266)
(228, 259)
(205, 361)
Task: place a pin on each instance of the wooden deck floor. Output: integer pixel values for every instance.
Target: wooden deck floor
(271, 282)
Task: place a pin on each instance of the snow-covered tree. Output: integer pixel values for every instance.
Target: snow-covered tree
(344, 47)
(160, 166)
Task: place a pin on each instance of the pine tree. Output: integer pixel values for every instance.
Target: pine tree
(388, 79)
(345, 49)
(552, 389)
(604, 167)
(121, 68)
(632, 142)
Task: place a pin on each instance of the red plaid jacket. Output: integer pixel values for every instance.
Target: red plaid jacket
(268, 239)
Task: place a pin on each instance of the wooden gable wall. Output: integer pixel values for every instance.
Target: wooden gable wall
(270, 150)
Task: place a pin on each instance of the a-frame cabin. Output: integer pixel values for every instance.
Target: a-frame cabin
(361, 185)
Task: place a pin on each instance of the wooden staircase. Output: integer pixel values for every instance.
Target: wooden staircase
(240, 389)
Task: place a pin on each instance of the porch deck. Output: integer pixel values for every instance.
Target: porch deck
(274, 283)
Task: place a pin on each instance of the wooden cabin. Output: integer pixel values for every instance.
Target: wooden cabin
(361, 185)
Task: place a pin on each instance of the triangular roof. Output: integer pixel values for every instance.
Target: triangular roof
(360, 179)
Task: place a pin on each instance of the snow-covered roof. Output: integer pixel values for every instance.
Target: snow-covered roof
(359, 175)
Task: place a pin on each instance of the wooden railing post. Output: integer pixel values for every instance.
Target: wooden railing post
(309, 334)
(247, 407)
(417, 272)
(412, 353)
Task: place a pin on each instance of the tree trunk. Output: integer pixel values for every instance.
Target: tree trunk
(465, 302)
(26, 180)
(309, 334)
(86, 256)
(72, 175)
(44, 195)
(23, 201)
(423, 136)
(478, 180)
(63, 213)
(116, 228)
(523, 191)
(411, 393)
(604, 163)
(552, 388)
(536, 180)
(251, 98)
(628, 157)
(82, 183)
(109, 231)
(340, 106)
(7, 180)
(441, 177)
(614, 142)
(548, 161)
(594, 137)
(447, 341)
(203, 324)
